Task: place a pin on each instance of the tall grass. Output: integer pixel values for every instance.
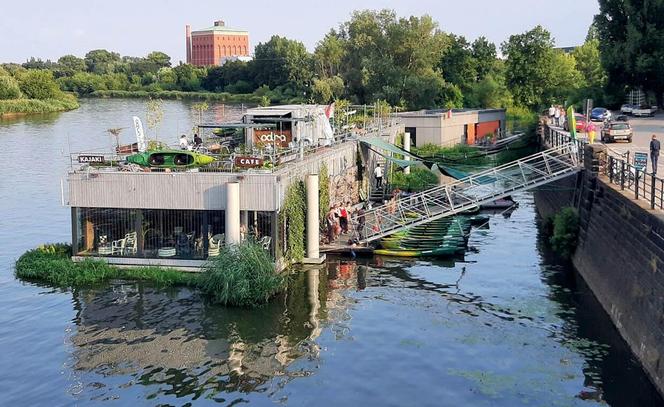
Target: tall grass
(38, 106)
(243, 276)
(178, 95)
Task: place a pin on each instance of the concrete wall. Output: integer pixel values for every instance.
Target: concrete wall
(620, 255)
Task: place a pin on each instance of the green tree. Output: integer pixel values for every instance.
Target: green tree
(9, 88)
(327, 89)
(490, 92)
(631, 41)
(68, 65)
(565, 79)
(280, 62)
(588, 62)
(529, 66)
(160, 59)
(101, 61)
(328, 55)
(484, 57)
(39, 84)
(82, 83)
(458, 64)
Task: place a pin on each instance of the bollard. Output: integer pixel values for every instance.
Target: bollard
(652, 191)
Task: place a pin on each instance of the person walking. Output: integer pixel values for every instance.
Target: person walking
(552, 112)
(654, 153)
(378, 174)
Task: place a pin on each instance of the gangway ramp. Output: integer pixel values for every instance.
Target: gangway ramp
(467, 193)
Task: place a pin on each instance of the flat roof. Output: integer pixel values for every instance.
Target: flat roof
(442, 112)
(222, 30)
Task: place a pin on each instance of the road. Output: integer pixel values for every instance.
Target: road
(644, 128)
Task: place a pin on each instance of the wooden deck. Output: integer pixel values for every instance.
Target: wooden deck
(341, 246)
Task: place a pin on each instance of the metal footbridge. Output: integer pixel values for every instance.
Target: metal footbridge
(467, 193)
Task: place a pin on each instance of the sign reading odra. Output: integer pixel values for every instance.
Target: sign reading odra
(281, 138)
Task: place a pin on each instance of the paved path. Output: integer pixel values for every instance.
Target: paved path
(644, 128)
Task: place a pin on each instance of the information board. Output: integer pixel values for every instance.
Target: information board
(640, 160)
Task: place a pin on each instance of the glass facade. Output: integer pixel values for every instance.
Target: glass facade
(161, 233)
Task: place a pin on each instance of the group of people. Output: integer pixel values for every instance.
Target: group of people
(184, 142)
(337, 221)
(557, 115)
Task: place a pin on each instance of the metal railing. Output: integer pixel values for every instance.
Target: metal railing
(646, 186)
(404, 212)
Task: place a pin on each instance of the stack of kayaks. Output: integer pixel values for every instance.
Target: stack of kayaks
(439, 238)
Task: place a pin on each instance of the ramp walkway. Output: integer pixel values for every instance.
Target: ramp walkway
(469, 192)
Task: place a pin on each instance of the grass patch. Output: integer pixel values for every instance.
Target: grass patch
(52, 264)
(418, 180)
(242, 276)
(27, 106)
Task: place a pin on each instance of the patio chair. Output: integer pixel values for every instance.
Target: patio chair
(214, 245)
(265, 242)
(131, 243)
(117, 246)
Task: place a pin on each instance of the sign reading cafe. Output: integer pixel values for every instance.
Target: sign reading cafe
(281, 138)
(91, 159)
(248, 162)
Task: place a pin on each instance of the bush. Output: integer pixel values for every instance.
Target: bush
(565, 232)
(419, 179)
(242, 276)
(9, 88)
(51, 264)
(38, 84)
(293, 215)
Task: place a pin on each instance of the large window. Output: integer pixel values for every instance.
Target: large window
(160, 233)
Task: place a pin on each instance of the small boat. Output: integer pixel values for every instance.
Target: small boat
(503, 203)
(170, 159)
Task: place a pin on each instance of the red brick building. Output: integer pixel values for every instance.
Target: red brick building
(216, 44)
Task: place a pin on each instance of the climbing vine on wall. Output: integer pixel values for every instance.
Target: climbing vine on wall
(293, 216)
(323, 193)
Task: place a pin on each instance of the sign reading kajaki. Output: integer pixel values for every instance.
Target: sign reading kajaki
(91, 159)
(248, 162)
(281, 138)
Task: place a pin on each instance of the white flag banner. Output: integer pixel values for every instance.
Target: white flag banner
(140, 135)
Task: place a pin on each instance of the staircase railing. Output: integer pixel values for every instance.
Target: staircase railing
(404, 212)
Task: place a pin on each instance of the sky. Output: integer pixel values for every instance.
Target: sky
(49, 29)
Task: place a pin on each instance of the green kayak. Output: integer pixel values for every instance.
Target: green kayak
(170, 159)
(438, 252)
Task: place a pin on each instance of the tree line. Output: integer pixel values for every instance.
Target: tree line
(375, 55)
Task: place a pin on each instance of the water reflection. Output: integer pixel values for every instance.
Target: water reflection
(175, 341)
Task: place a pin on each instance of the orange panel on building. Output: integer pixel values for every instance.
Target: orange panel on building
(486, 128)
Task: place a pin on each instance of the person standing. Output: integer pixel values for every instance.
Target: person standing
(378, 174)
(552, 112)
(184, 143)
(361, 221)
(197, 140)
(654, 153)
(556, 115)
(343, 218)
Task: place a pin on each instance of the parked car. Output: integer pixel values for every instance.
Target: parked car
(581, 123)
(600, 114)
(617, 131)
(644, 110)
(627, 108)
(621, 118)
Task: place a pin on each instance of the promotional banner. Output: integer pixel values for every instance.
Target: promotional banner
(140, 136)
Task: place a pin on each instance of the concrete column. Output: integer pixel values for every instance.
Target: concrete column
(406, 146)
(232, 213)
(313, 221)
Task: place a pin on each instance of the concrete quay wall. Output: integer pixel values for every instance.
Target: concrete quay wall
(620, 255)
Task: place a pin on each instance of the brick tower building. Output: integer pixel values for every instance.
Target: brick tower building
(216, 45)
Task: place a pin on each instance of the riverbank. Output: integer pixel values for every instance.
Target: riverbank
(249, 98)
(19, 107)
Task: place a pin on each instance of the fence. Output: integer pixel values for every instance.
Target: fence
(629, 177)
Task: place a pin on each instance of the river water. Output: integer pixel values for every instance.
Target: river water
(505, 326)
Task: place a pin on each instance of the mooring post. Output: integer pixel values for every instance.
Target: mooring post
(232, 213)
(406, 146)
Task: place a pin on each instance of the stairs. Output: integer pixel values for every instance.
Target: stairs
(467, 193)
